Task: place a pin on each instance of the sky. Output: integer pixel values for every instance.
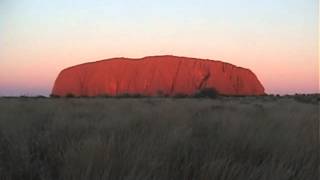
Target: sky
(277, 39)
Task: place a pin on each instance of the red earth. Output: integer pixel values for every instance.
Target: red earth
(150, 76)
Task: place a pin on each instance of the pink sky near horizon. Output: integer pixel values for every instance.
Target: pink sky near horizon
(37, 45)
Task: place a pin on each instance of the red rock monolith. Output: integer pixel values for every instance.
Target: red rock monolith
(150, 76)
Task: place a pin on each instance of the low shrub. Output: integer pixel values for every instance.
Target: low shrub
(180, 95)
(206, 93)
(54, 96)
(70, 95)
(128, 95)
(103, 96)
(310, 98)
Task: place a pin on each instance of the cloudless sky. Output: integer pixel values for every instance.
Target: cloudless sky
(276, 39)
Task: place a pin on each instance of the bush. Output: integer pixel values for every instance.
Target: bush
(137, 96)
(310, 98)
(180, 95)
(206, 93)
(103, 96)
(54, 96)
(40, 97)
(70, 95)
(162, 94)
(128, 95)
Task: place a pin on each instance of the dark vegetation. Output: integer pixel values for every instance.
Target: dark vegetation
(226, 138)
(206, 93)
(307, 98)
(203, 93)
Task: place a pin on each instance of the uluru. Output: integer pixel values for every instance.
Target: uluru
(149, 76)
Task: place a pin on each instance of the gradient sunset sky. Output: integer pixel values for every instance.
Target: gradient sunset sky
(276, 39)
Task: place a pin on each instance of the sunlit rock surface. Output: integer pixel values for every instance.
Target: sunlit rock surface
(150, 76)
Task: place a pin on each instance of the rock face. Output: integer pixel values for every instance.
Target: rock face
(150, 76)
